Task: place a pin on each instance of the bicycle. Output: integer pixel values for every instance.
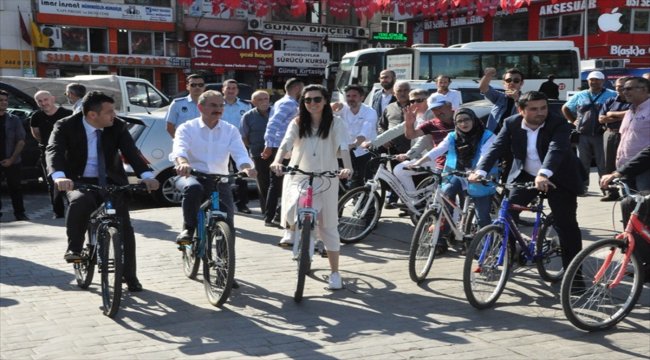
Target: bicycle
(492, 251)
(306, 217)
(214, 243)
(604, 281)
(103, 247)
(436, 217)
(360, 208)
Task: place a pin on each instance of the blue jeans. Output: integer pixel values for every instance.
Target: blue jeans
(196, 191)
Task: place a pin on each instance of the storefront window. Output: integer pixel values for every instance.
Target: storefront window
(74, 39)
(141, 43)
(640, 21)
(563, 25)
(464, 34)
(511, 27)
(146, 43)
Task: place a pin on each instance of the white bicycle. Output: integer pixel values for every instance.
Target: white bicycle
(360, 208)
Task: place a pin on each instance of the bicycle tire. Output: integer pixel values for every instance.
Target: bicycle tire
(111, 267)
(487, 242)
(353, 227)
(303, 260)
(469, 225)
(549, 252)
(594, 306)
(219, 263)
(191, 262)
(422, 184)
(84, 271)
(423, 245)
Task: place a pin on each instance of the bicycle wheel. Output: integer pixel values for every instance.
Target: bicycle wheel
(594, 305)
(355, 223)
(549, 252)
(110, 267)
(427, 181)
(423, 245)
(469, 224)
(191, 262)
(303, 260)
(483, 277)
(85, 270)
(219, 263)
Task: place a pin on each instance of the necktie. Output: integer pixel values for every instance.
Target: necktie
(101, 161)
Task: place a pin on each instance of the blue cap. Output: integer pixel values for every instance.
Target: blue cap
(438, 103)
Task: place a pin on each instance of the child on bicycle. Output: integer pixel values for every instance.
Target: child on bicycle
(463, 147)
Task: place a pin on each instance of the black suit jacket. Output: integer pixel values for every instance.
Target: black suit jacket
(636, 165)
(553, 147)
(67, 150)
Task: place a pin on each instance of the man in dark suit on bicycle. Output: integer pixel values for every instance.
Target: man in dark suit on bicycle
(542, 154)
(85, 148)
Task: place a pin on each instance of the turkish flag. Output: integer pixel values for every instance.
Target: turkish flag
(23, 29)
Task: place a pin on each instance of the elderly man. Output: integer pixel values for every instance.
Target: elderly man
(253, 127)
(582, 110)
(75, 92)
(42, 123)
(361, 121)
(184, 109)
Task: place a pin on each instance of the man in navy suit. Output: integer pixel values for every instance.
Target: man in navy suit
(73, 156)
(542, 154)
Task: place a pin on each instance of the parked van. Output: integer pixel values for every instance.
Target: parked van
(132, 95)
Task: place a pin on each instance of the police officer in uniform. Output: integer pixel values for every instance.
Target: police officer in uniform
(183, 109)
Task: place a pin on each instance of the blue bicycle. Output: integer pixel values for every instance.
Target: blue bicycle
(493, 251)
(214, 243)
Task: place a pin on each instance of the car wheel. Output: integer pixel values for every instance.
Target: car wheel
(167, 194)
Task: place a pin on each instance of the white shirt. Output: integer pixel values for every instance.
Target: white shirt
(209, 150)
(452, 96)
(385, 99)
(363, 123)
(533, 163)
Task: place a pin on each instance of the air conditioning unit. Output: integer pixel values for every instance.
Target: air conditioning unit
(361, 33)
(54, 33)
(255, 23)
(610, 63)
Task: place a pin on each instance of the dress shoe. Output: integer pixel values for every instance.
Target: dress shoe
(389, 206)
(244, 209)
(185, 237)
(271, 224)
(610, 197)
(58, 216)
(133, 284)
(21, 217)
(71, 256)
(235, 284)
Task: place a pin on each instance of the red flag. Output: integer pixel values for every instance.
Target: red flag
(23, 29)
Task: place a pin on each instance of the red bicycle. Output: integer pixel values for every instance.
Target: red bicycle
(604, 281)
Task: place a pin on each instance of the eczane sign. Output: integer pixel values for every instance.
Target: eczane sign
(231, 51)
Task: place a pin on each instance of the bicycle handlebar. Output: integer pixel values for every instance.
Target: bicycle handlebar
(216, 177)
(110, 188)
(293, 169)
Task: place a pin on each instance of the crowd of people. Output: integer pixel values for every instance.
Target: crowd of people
(219, 133)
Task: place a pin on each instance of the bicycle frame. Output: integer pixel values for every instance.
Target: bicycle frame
(439, 201)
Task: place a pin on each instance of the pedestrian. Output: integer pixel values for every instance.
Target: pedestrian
(504, 104)
(316, 140)
(361, 122)
(282, 112)
(443, 92)
(41, 123)
(12, 142)
(550, 88)
(234, 109)
(184, 108)
(635, 128)
(582, 110)
(74, 155)
(551, 165)
(381, 99)
(611, 116)
(253, 127)
(75, 93)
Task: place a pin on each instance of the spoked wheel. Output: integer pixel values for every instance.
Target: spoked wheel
(110, 268)
(549, 262)
(484, 278)
(85, 269)
(595, 304)
(191, 262)
(219, 264)
(359, 211)
(303, 260)
(423, 245)
(428, 181)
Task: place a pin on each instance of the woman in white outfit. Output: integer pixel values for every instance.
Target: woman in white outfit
(316, 140)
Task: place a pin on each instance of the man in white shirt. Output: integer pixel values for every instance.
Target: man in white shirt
(444, 93)
(206, 144)
(361, 121)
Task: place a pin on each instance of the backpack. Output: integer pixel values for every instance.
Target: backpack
(588, 117)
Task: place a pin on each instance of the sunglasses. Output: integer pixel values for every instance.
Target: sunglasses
(197, 85)
(413, 101)
(511, 80)
(315, 99)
